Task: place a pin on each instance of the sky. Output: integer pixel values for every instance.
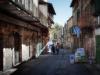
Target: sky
(62, 9)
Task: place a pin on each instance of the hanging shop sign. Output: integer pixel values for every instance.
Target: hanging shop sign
(75, 30)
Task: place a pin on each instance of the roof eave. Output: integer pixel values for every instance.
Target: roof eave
(73, 3)
(50, 6)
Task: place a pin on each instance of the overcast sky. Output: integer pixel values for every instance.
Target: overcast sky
(63, 10)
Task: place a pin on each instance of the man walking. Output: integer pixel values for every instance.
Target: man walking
(53, 49)
(57, 48)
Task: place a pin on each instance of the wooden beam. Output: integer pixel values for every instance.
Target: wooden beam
(18, 22)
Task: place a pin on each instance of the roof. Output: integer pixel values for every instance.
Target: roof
(72, 3)
(70, 18)
(50, 7)
(42, 2)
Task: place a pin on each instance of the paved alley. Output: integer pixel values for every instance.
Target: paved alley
(54, 65)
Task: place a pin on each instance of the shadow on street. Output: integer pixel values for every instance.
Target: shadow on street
(55, 65)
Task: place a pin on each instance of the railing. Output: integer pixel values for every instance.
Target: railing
(85, 19)
(40, 49)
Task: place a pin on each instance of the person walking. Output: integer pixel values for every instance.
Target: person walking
(53, 49)
(57, 48)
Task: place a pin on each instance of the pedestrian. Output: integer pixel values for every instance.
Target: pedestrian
(57, 48)
(53, 49)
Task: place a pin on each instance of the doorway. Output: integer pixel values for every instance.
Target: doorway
(1, 52)
(17, 47)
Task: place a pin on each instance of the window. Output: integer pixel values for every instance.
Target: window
(98, 19)
(78, 14)
(26, 4)
(31, 5)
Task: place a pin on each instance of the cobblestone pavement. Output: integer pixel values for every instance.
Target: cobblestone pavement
(55, 65)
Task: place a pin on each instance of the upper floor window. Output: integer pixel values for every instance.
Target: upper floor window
(78, 14)
(28, 4)
(98, 19)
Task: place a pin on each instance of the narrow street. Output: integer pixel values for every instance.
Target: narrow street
(31, 29)
(54, 65)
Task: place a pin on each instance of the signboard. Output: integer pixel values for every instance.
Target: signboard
(76, 30)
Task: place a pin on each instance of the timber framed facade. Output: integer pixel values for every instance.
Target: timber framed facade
(22, 33)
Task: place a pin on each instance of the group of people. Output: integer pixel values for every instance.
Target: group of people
(55, 49)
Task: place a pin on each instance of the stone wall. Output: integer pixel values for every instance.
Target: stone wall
(18, 45)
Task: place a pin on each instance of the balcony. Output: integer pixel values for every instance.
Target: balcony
(82, 22)
(16, 9)
(85, 20)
